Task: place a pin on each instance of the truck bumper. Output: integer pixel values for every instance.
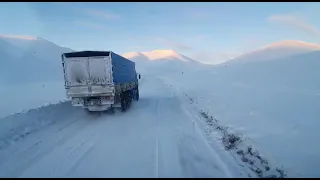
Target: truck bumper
(77, 102)
(99, 108)
(92, 101)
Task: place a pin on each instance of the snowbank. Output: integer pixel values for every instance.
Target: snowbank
(274, 103)
(22, 97)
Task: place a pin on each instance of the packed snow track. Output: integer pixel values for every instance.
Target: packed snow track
(154, 138)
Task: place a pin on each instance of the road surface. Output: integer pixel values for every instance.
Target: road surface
(155, 138)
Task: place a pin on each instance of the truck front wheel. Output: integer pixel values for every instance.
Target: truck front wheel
(137, 94)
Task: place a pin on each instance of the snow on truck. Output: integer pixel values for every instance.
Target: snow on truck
(100, 80)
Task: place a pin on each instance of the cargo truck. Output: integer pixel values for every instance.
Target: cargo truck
(100, 80)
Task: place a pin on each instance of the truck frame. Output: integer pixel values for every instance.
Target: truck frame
(100, 80)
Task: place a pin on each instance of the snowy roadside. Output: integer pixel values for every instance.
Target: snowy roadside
(16, 127)
(239, 145)
(20, 98)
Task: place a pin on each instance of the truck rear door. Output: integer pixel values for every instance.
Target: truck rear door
(100, 72)
(88, 76)
(76, 75)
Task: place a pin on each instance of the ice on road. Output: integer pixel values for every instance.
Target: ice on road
(154, 138)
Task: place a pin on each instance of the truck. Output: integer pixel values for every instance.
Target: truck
(100, 80)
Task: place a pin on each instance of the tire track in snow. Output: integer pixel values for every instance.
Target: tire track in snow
(19, 126)
(77, 163)
(42, 142)
(71, 153)
(66, 126)
(189, 155)
(194, 118)
(213, 152)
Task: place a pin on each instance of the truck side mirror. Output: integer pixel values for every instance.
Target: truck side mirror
(139, 76)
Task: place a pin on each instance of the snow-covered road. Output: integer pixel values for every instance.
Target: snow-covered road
(156, 137)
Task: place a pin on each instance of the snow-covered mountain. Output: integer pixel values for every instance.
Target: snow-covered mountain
(29, 59)
(163, 62)
(278, 50)
(137, 57)
(286, 63)
(159, 55)
(40, 48)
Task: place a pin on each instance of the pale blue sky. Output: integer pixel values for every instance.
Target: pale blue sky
(203, 31)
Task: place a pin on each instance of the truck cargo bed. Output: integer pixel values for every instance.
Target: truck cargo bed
(96, 73)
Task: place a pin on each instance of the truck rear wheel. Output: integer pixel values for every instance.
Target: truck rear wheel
(111, 110)
(123, 102)
(129, 99)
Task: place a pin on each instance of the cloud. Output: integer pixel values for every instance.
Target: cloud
(102, 14)
(93, 25)
(167, 43)
(197, 13)
(23, 37)
(171, 44)
(295, 22)
(136, 47)
(175, 45)
(213, 58)
(201, 37)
